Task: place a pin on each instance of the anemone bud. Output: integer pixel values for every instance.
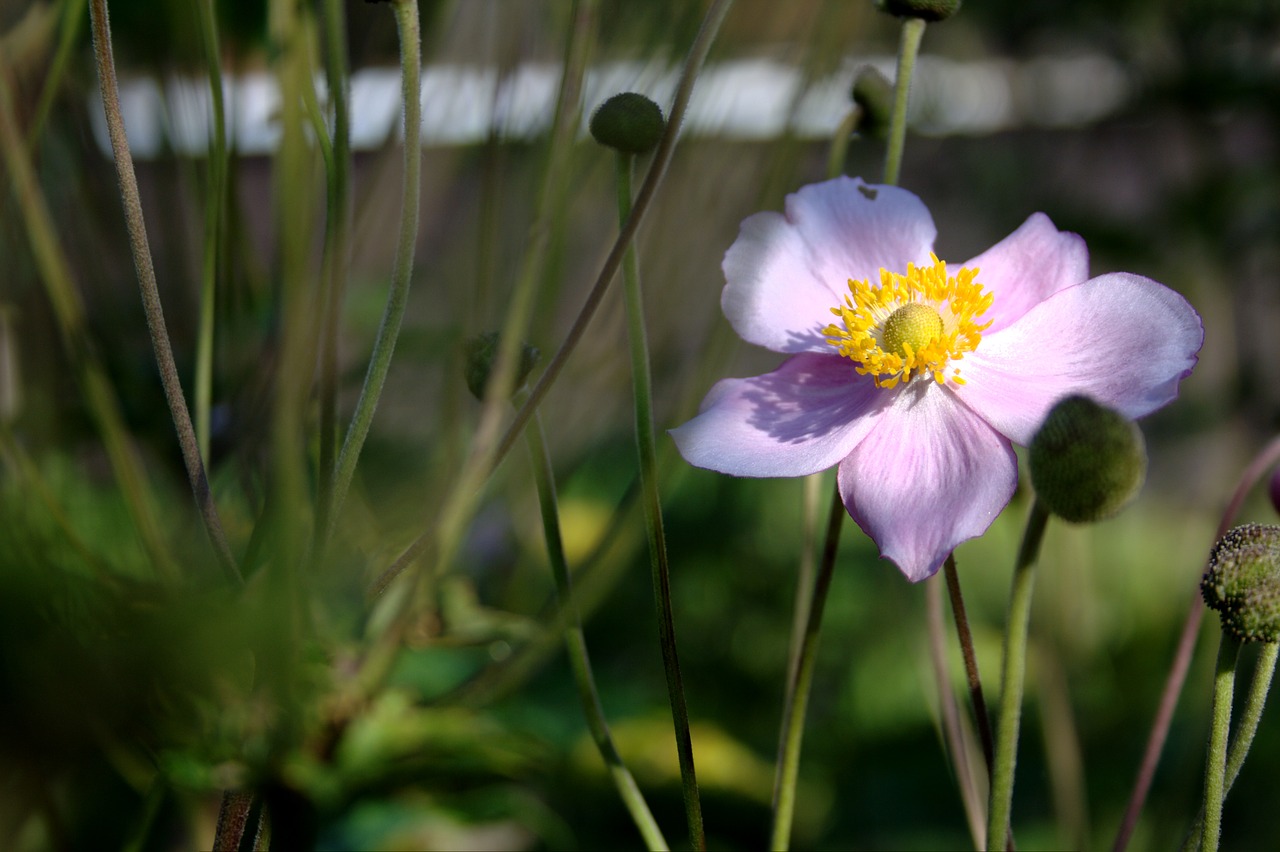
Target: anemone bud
(873, 93)
(925, 10)
(482, 350)
(1243, 582)
(628, 122)
(1087, 461)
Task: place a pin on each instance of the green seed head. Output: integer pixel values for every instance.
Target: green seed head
(925, 10)
(629, 122)
(913, 325)
(1243, 582)
(1087, 461)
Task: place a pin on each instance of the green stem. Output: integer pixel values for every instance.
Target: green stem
(214, 229)
(1014, 674)
(575, 644)
(787, 772)
(715, 16)
(965, 638)
(839, 149)
(150, 292)
(1263, 673)
(337, 250)
(68, 41)
(406, 12)
(953, 734)
(485, 456)
(908, 49)
(659, 563)
(1215, 772)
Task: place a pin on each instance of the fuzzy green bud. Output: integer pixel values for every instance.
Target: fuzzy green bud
(925, 10)
(1243, 582)
(873, 93)
(628, 122)
(1087, 461)
(482, 350)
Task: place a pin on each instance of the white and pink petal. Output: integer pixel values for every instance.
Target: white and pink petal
(1029, 266)
(802, 418)
(787, 270)
(930, 475)
(1124, 340)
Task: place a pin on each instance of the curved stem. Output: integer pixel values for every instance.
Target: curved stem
(950, 710)
(576, 646)
(1215, 771)
(787, 772)
(965, 638)
(657, 170)
(150, 292)
(1264, 461)
(484, 459)
(1014, 675)
(1263, 673)
(406, 12)
(908, 49)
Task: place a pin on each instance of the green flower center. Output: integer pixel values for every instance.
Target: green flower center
(911, 328)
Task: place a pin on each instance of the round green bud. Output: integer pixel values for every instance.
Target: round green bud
(1243, 582)
(629, 122)
(1087, 461)
(873, 93)
(482, 350)
(925, 10)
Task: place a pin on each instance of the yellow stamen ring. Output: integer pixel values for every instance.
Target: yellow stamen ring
(912, 324)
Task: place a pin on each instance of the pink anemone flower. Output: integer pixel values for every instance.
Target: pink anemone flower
(913, 377)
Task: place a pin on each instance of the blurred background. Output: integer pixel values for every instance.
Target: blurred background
(1150, 128)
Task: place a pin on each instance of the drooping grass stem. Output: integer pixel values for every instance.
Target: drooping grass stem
(659, 563)
(1013, 678)
(576, 646)
(150, 292)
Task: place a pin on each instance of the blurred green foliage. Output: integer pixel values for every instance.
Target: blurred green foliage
(127, 704)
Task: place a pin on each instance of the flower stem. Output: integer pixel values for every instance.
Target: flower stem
(576, 646)
(1014, 674)
(659, 562)
(793, 716)
(406, 12)
(1215, 771)
(908, 49)
(128, 183)
(950, 711)
(1264, 461)
(1263, 673)
(965, 638)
